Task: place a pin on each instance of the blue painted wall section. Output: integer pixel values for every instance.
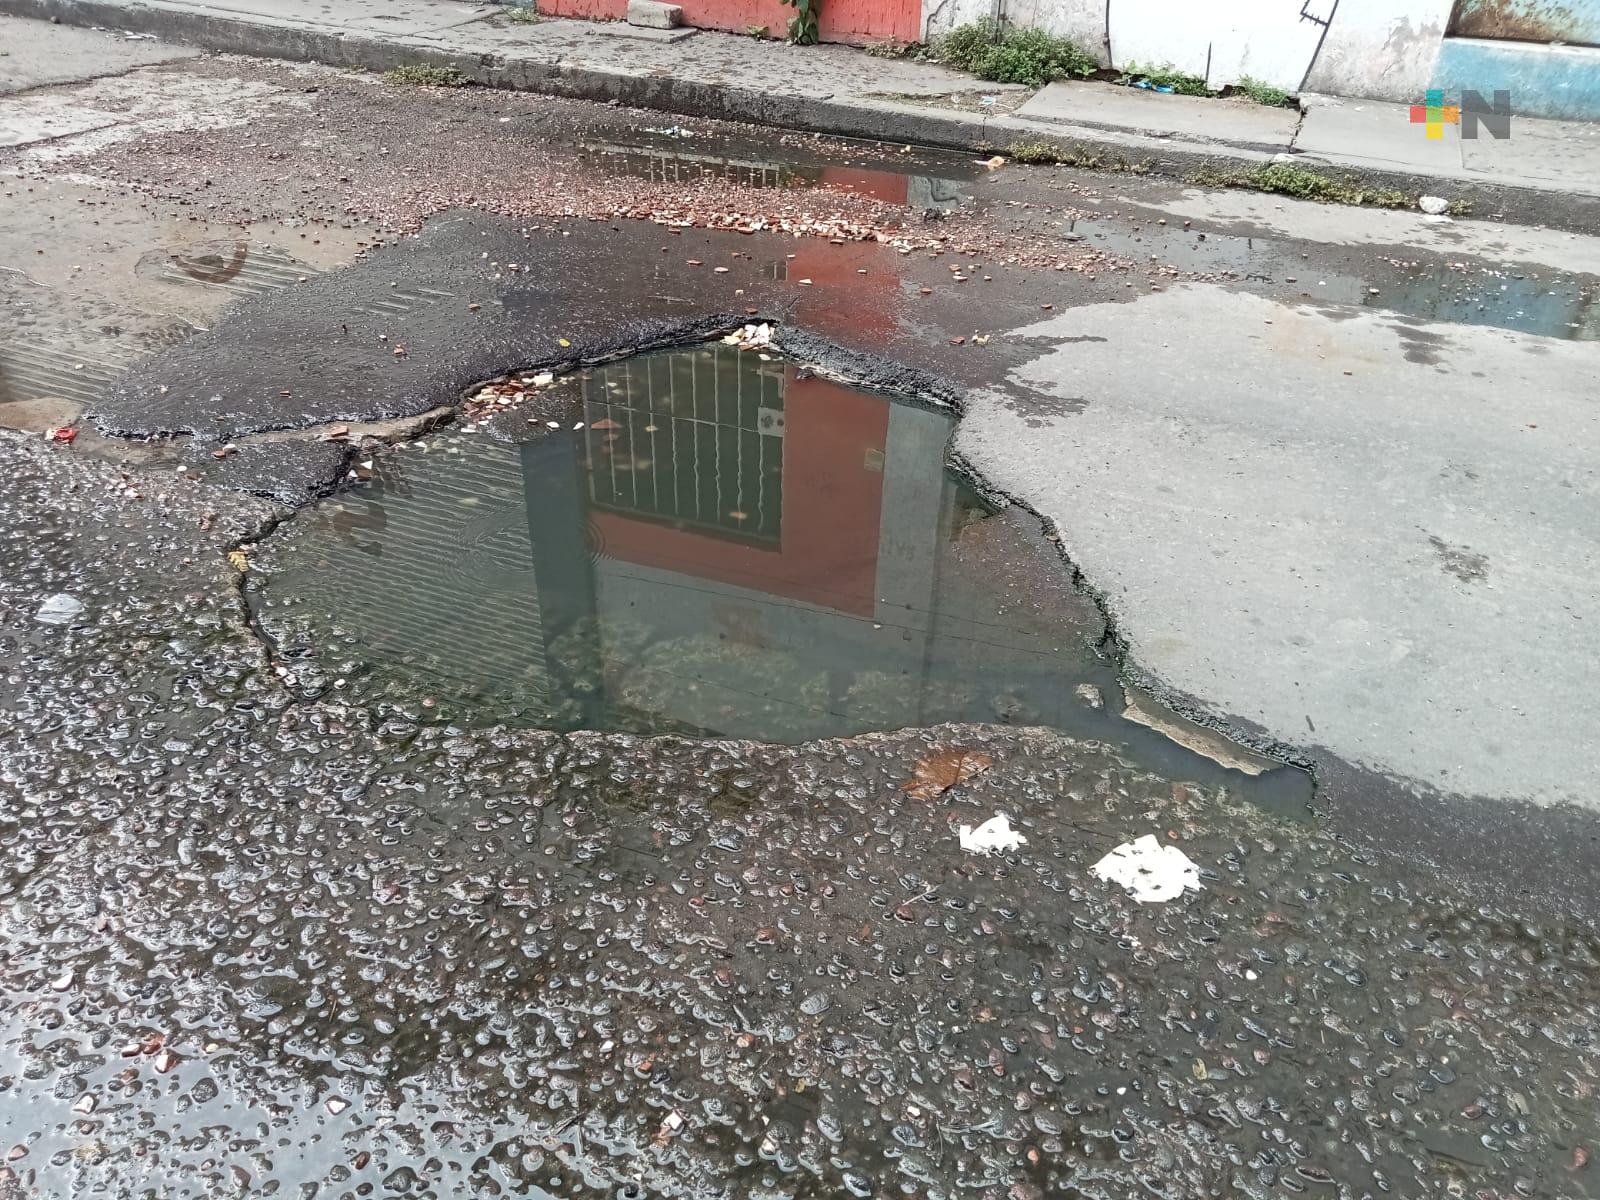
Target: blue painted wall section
(1544, 80)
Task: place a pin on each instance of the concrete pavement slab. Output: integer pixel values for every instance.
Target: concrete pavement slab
(1554, 154)
(1253, 213)
(51, 119)
(1342, 526)
(638, 33)
(1196, 118)
(1370, 133)
(714, 58)
(34, 54)
(59, 123)
(397, 18)
(1563, 154)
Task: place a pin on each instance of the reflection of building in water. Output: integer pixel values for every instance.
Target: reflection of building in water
(740, 516)
(725, 547)
(429, 568)
(769, 548)
(683, 164)
(687, 166)
(689, 439)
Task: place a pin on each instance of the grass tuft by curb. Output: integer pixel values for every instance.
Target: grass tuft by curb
(893, 49)
(1032, 152)
(417, 75)
(1075, 155)
(1302, 183)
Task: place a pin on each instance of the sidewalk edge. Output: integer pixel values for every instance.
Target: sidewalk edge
(1084, 146)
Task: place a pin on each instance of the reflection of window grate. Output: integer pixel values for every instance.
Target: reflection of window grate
(682, 167)
(691, 439)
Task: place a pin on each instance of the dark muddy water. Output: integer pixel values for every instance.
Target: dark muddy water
(713, 543)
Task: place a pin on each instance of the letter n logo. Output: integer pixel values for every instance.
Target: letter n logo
(1496, 117)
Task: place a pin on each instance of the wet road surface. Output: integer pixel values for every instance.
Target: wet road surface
(267, 934)
(257, 944)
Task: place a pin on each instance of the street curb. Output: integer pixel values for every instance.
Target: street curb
(890, 121)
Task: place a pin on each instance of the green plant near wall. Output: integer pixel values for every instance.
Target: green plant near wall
(1262, 92)
(803, 25)
(1005, 55)
(1164, 78)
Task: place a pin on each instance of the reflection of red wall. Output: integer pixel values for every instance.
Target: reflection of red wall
(828, 550)
(840, 20)
(841, 301)
(888, 186)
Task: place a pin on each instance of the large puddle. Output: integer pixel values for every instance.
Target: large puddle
(713, 543)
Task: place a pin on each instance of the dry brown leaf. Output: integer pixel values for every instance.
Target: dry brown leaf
(940, 770)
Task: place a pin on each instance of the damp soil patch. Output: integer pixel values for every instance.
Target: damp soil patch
(708, 542)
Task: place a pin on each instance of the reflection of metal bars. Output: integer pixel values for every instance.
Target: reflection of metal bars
(29, 372)
(691, 439)
(681, 167)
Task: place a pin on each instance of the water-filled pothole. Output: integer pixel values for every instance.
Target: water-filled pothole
(713, 542)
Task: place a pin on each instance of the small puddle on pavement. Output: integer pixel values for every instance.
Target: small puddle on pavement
(93, 280)
(726, 547)
(1460, 291)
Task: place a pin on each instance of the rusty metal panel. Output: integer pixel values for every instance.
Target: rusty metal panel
(1575, 22)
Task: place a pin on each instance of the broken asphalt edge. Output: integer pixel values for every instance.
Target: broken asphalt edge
(1086, 146)
(1485, 846)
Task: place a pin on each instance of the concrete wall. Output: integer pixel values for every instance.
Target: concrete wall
(1544, 81)
(1380, 48)
(1084, 21)
(1270, 40)
(1383, 49)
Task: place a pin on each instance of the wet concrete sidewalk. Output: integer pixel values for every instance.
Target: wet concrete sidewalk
(1548, 172)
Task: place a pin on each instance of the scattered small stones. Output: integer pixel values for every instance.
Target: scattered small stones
(750, 337)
